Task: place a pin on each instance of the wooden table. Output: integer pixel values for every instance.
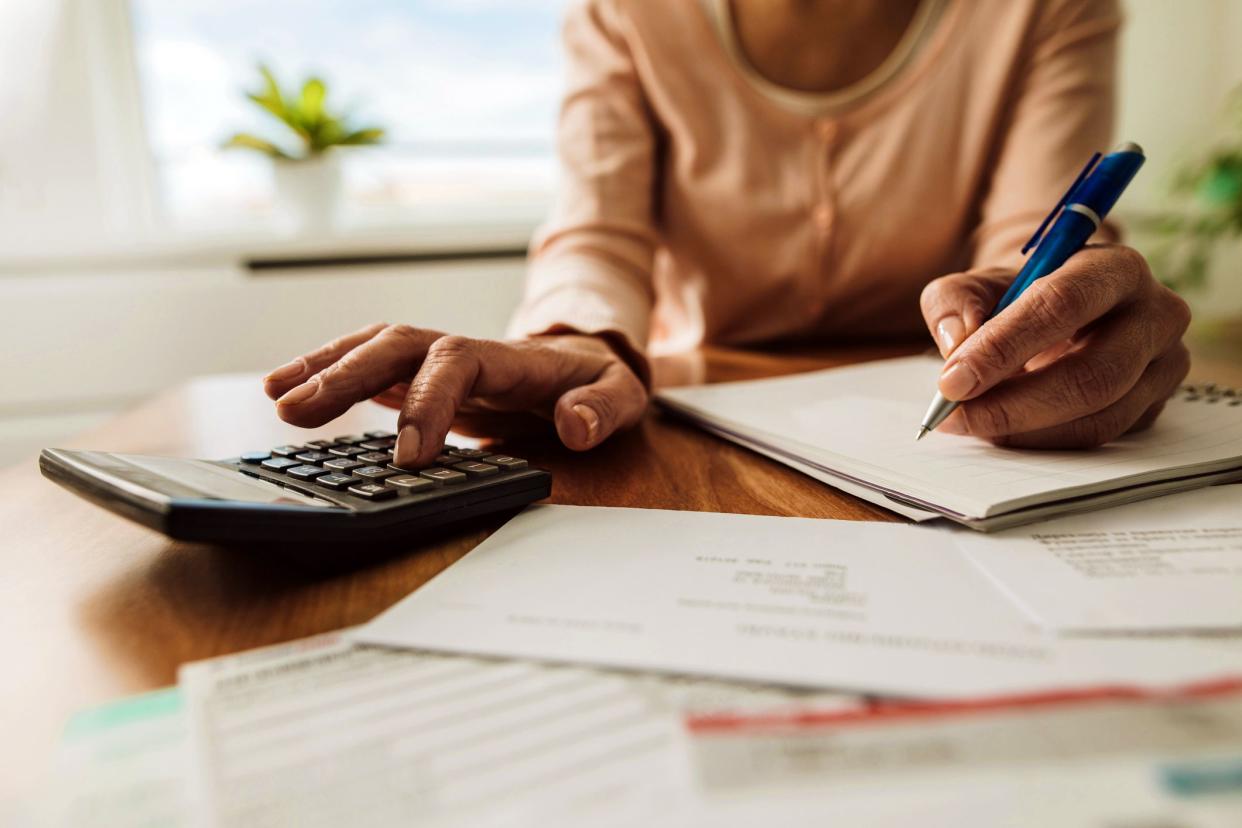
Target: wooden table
(93, 607)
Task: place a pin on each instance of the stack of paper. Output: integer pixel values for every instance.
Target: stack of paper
(879, 608)
(854, 427)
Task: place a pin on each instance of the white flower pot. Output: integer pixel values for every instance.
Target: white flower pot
(308, 193)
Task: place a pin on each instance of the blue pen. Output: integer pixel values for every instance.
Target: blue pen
(1077, 216)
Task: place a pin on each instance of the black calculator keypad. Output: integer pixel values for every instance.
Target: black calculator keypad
(506, 462)
(476, 469)
(460, 484)
(411, 483)
(447, 476)
(378, 445)
(373, 491)
(342, 464)
(373, 473)
(337, 482)
(304, 472)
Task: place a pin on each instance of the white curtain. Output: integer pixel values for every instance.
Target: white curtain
(74, 168)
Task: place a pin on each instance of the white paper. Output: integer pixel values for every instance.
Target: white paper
(123, 765)
(1169, 564)
(859, 422)
(867, 607)
(1085, 762)
(322, 732)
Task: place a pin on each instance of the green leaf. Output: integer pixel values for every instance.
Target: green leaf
(244, 140)
(363, 137)
(270, 96)
(311, 104)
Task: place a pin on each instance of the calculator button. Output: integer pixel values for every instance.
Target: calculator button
(378, 445)
(336, 482)
(373, 472)
(380, 435)
(304, 472)
(468, 454)
(372, 491)
(475, 469)
(313, 457)
(279, 463)
(506, 462)
(288, 451)
(447, 476)
(321, 444)
(375, 457)
(348, 440)
(342, 464)
(346, 451)
(255, 457)
(446, 460)
(411, 483)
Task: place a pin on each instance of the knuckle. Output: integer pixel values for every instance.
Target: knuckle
(1054, 300)
(403, 334)
(1178, 311)
(340, 379)
(994, 352)
(448, 348)
(1130, 265)
(1092, 383)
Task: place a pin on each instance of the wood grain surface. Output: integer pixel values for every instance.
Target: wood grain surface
(93, 607)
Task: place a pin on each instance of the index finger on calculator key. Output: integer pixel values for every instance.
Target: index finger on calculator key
(1050, 311)
(297, 371)
(389, 357)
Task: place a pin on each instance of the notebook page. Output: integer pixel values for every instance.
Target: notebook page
(861, 421)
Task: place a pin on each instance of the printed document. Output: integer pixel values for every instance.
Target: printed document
(865, 607)
(1174, 563)
(1099, 759)
(321, 732)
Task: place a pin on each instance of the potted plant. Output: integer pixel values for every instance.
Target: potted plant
(1198, 245)
(306, 167)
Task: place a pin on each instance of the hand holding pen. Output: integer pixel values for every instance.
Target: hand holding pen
(1082, 346)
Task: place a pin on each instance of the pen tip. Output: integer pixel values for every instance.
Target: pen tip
(922, 431)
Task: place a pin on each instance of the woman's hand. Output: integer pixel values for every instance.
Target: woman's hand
(1088, 353)
(435, 380)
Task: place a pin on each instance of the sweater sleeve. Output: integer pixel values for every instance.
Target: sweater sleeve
(1061, 112)
(590, 268)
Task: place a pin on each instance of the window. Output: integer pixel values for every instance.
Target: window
(467, 89)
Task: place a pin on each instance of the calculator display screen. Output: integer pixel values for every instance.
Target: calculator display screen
(173, 477)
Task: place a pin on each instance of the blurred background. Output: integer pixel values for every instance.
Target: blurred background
(136, 249)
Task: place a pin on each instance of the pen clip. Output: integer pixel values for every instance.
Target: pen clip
(1039, 234)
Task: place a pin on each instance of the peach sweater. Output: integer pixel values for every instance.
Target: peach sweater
(701, 203)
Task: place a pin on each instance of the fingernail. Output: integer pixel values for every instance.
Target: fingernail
(409, 441)
(301, 394)
(958, 381)
(950, 331)
(589, 418)
(285, 372)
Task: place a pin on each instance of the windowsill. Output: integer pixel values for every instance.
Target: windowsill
(393, 237)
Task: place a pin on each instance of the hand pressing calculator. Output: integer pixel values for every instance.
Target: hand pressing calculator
(324, 492)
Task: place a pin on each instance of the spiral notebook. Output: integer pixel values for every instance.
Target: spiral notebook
(857, 425)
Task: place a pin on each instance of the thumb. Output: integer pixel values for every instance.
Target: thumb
(954, 306)
(588, 414)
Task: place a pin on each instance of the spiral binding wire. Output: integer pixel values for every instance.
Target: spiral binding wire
(1210, 392)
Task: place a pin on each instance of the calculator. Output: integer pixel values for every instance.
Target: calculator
(321, 492)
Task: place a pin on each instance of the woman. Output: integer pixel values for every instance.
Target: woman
(740, 171)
